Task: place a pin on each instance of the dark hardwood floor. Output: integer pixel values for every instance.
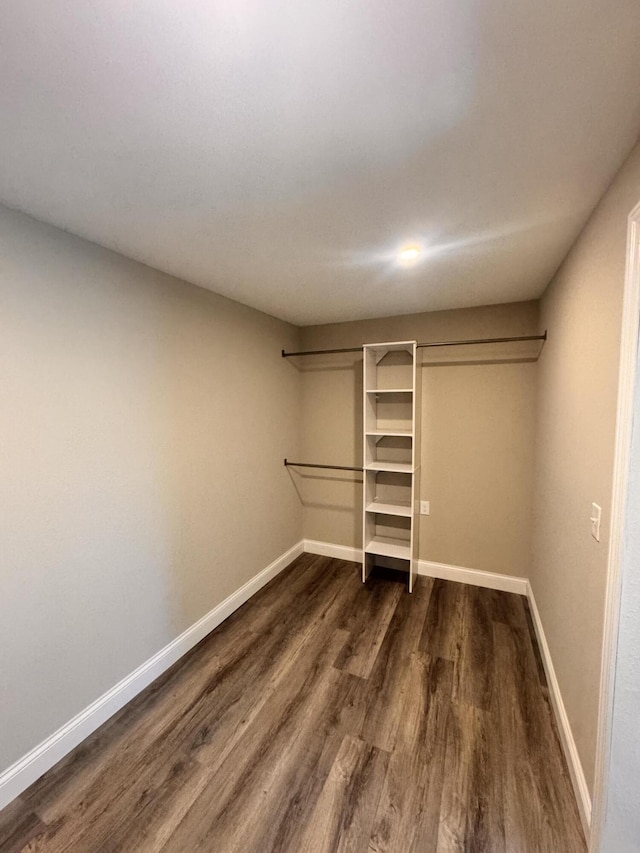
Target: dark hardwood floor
(326, 715)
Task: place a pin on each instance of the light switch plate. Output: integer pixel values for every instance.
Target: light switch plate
(596, 515)
(424, 508)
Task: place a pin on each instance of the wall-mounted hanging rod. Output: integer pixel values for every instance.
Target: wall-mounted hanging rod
(310, 465)
(542, 337)
(321, 351)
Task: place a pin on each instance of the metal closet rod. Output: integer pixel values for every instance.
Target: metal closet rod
(310, 465)
(542, 337)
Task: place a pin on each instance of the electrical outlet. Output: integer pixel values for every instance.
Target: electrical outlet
(596, 515)
(424, 508)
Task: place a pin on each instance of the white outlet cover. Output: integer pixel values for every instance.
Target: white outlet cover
(424, 508)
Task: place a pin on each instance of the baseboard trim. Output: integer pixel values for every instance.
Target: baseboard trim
(328, 549)
(475, 577)
(490, 580)
(26, 770)
(570, 750)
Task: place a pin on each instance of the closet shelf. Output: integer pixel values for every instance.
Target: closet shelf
(389, 390)
(385, 546)
(392, 467)
(405, 433)
(390, 508)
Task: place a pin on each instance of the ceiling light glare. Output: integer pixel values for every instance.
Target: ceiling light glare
(409, 254)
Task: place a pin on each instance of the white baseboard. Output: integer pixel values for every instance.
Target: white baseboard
(328, 549)
(490, 580)
(570, 750)
(20, 775)
(475, 577)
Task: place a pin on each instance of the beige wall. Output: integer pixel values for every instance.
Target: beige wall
(143, 427)
(578, 374)
(477, 437)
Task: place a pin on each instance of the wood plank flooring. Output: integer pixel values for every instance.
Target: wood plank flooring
(326, 715)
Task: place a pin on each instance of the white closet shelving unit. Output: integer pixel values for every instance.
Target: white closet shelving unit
(391, 463)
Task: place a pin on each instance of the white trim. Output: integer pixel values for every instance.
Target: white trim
(624, 422)
(580, 787)
(475, 577)
(20, 775)
(328, 549)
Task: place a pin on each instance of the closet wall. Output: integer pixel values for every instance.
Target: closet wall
(576, 421)
(478, 419)
(143, 427)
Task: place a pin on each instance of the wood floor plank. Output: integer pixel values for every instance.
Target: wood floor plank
(505, 607)
(408, 814)
(471, 813)
(538, 801)
(315, 629)
(18, 826)
(339, 718)
(389, 685)
(473, 671)
(247, 714)
(266, 757)
(367, 621)
(325, 715)
(485, 830)
(346, 807)
(442, 632)
(147, 829)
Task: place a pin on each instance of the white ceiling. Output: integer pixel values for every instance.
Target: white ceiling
(280, 152)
